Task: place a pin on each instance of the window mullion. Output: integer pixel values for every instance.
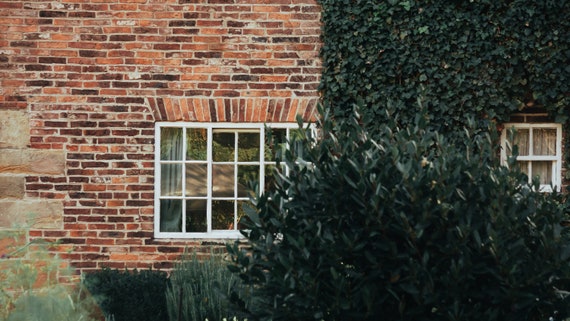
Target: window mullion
(262, 160)
(209, 181)
(236, 168)
(530, 141)
(184, 152)
(157, 180)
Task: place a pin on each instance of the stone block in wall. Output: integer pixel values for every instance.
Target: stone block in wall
(28, 161)
(14, 129)
(37, 214)
(12, 187)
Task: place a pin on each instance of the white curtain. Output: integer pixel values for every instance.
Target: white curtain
(171, 149)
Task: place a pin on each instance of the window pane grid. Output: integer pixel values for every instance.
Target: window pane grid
(539, 147)
(204, 177)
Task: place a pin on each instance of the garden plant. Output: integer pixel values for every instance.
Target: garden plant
(408, 225)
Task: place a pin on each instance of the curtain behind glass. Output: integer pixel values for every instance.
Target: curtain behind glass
(544, 141)
(171, 149)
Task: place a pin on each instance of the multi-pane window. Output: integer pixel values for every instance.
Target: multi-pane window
(539, 151)
(204, 172)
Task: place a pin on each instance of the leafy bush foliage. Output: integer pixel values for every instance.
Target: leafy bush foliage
(406, 226)
(201, 289)
(129, 295)
(475, 58)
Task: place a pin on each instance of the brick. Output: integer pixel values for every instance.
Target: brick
(92, 53)
(52, 14)
(38, 68)
(122, 38)
(52, 60)
(89, 74)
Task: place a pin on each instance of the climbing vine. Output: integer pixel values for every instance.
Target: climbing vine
(478, 59)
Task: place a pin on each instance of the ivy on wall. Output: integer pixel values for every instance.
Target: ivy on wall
(462, 58)
(478, 59)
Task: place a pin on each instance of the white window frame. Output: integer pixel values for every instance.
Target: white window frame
(210, 127)
(555, 159)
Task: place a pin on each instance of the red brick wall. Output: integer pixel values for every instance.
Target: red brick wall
(93, 76)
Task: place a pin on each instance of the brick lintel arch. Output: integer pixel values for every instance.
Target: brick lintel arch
(235, 109)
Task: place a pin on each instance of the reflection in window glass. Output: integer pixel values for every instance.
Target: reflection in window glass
(246, 175)
(222, 215)
(196, 215)
(170, 215)
(241, 212)
(277, 144)
(223, 180)
(196, 179)
(197, 144)
(223, 147)
(270, 175)
(248, 147)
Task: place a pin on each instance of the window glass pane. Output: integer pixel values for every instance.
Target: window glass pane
(223, 147)
(222, 215)
(270, 176)
(171, 143)
(196, 217)
(248, 147)
(544, 170)
(522, 141)
(171, 179)
(222, 180)
(171, 215)
(276, 145)
(197, 141)
(523, 167)
(241, 213)
(544, 141)
(196, 179)
(246, 174)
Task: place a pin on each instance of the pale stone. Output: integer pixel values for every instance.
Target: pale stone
(14, 129)
(32, 161)
(12, 187)
(38, 214)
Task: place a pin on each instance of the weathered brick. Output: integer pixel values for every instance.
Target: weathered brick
(52, 14)
(97, 75)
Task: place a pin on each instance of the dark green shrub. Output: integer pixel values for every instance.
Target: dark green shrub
(129, 295)
(201, 289)
(404, 227)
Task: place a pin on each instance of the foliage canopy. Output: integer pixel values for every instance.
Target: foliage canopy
(405, 226)
(477, 58)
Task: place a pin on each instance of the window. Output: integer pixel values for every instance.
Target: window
(202, 175)
(539, 151)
